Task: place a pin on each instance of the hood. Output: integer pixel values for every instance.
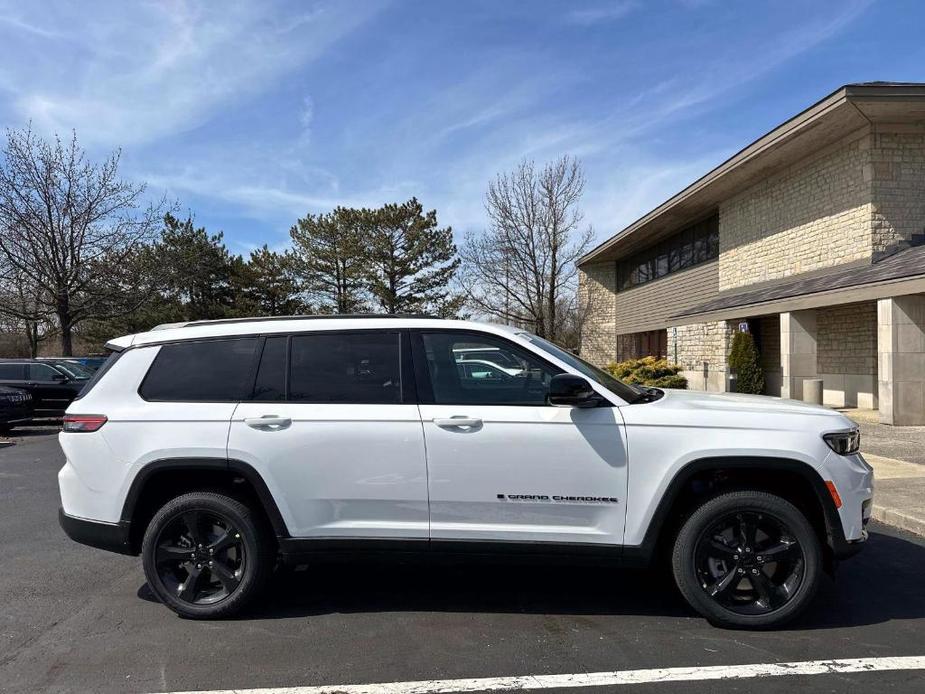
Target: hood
(740, 402)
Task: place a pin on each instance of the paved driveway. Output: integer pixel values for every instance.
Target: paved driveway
(82, 620)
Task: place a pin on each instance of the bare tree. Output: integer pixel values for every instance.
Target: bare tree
(523, 268)
(71, 229)
(21, 310)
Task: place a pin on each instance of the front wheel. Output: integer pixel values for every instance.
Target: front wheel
(206, 555)
(747, 559)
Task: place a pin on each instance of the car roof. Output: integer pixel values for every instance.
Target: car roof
(294, 324)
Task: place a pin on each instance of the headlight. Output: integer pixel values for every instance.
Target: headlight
(844, 442)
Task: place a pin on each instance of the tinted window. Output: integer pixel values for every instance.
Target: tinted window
(213, 371)
(12, 372)
(346, 368)
(44, 373)
(271, 374)
(504, 374)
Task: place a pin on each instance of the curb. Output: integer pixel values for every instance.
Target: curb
(898, 519)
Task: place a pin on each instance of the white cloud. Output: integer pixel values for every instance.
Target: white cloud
(134, 73)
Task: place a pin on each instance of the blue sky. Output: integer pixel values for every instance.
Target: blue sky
(252, 113)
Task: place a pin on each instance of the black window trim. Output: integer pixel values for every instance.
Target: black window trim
(422, 373)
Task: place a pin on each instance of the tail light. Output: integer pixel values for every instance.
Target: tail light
(83, 422)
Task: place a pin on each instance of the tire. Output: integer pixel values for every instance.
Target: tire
(229, 556)
(733, 584)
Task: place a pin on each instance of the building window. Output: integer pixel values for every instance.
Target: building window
(691, 246)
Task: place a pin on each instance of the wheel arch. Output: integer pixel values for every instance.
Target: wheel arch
(163, 479)
(703, 478)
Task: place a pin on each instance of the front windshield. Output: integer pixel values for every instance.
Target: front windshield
(616, 386)
(74, 370)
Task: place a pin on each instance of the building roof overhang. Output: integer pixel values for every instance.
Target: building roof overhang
(846, 110)
(902, 273)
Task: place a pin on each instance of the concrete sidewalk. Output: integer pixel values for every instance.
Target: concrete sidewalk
(897, 454)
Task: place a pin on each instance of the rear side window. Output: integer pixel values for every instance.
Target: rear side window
(209, 371)
(270, 385)
(361, 368)
(12, 372)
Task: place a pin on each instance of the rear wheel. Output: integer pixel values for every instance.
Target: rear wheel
(207, 555)
(747, 559)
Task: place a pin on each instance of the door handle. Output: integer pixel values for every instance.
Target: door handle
(452, 422)
(268, 421)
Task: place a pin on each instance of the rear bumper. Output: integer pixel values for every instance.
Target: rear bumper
(114, 537)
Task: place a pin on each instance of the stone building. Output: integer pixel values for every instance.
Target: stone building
(812, 238)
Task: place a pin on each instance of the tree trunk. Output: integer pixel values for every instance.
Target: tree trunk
(66, 322)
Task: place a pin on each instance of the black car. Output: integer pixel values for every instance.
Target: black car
(15, 408)
(51, 385)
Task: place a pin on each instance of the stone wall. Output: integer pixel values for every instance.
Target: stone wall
(846, 340)
(813, 215)
(597, 286)
(897, 172)
(698, 343)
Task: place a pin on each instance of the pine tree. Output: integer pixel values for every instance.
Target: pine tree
(410, 261)
(328, 260)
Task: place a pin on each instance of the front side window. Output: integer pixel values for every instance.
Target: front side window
(468, 369)
(207, 371)
(359, 368)
(44, 373)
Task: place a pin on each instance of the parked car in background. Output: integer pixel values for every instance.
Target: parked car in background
(71, 367)
(90, 363)
(52, 386)
(15, 408)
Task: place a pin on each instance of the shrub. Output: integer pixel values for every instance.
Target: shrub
(648, 371)
(745, 362)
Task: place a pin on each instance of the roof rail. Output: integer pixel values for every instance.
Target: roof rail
(256, 319)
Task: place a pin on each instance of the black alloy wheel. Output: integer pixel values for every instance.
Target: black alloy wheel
(207, 555)
(748, 559)
(200, 557)
(749, 562)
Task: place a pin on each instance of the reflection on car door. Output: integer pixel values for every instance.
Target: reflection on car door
(504, 465)
(333, 428)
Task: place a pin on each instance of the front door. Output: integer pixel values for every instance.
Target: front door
(51, 391)
(333, 429)
(502, 464)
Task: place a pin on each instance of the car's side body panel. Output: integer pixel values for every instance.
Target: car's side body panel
(339, 470)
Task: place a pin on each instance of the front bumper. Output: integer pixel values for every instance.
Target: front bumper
(114, 537)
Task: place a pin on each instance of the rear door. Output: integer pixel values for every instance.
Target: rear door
(333, 428)
(504, 465)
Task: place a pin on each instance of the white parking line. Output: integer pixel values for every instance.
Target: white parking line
(601, 679)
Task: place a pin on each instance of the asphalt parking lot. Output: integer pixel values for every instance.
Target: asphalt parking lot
(75, 619)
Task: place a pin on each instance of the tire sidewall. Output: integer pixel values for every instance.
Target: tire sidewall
(254, 548)
(760, 502)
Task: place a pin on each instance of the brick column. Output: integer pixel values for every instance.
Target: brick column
(797, 351)
(901, 359)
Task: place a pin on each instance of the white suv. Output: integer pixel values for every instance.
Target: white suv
(215, 449)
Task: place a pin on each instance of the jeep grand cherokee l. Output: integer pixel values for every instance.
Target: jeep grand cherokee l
(214, 449)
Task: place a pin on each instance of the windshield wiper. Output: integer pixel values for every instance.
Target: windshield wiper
(647, 394)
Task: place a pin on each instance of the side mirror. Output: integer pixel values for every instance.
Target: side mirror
(569, 390)
(59, 378)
